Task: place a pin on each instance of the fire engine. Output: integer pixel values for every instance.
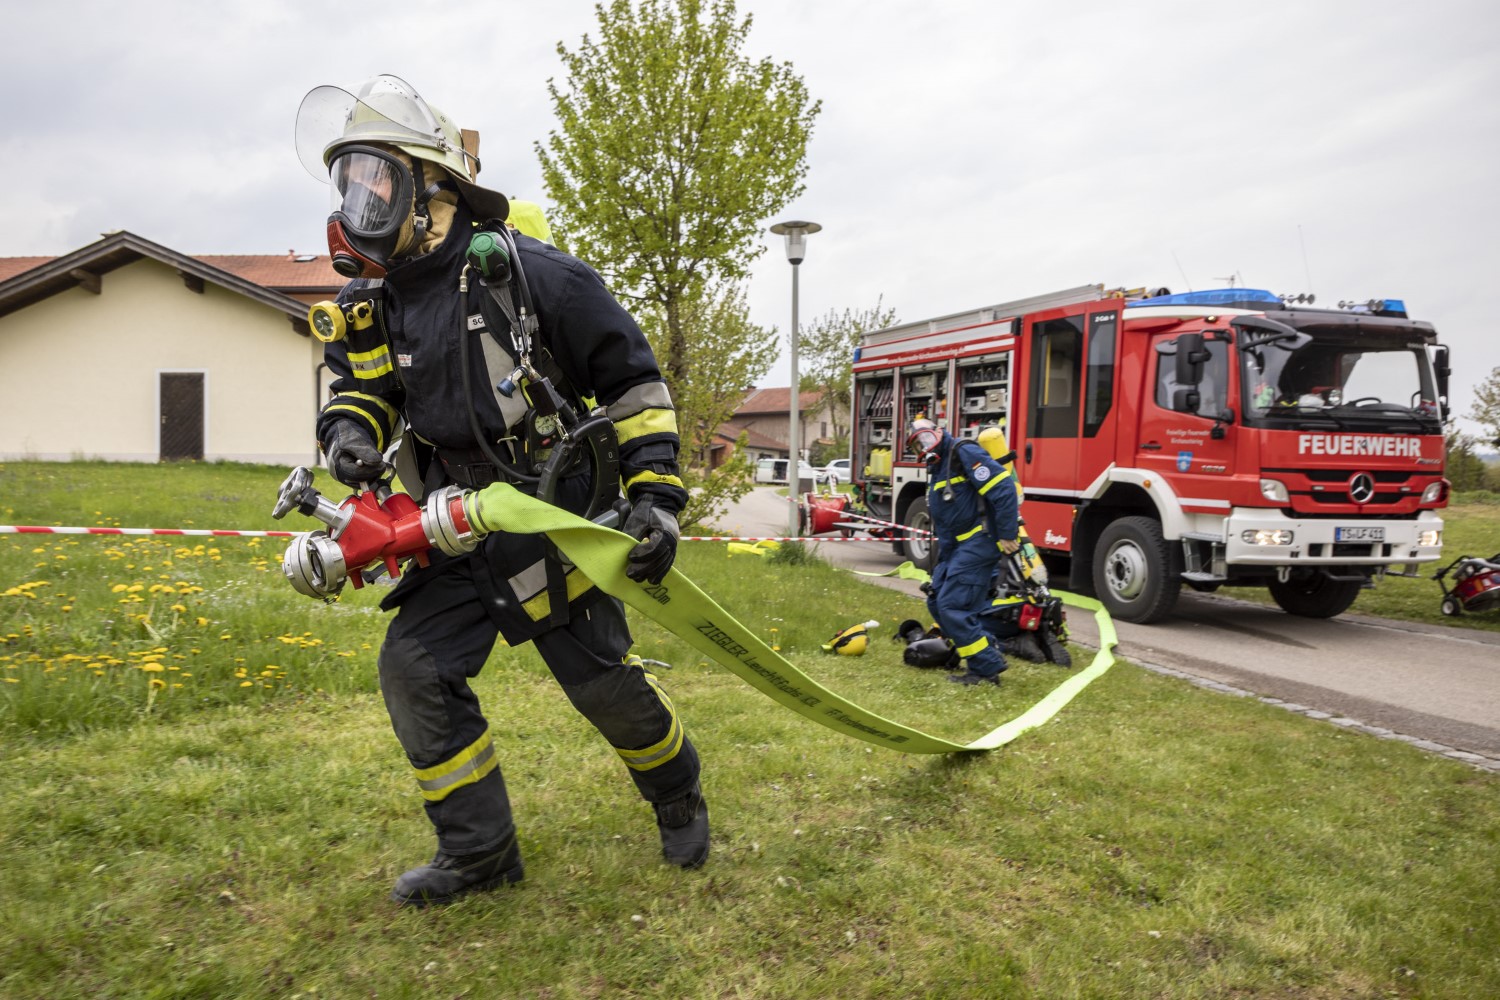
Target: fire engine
(1215, 438)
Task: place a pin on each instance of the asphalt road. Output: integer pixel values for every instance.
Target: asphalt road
(1436, 686)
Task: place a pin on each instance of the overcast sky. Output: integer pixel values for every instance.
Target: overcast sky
(967, 152)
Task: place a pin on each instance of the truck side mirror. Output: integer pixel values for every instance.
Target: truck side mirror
(1191, 357)
(1442, 369)
(1186, 400)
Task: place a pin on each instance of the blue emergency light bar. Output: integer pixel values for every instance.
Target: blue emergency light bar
(1228, 298)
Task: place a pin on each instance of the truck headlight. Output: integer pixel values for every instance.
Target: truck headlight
(1434, 492)
(1267, 536)
(1274, 490)
(1431, 538)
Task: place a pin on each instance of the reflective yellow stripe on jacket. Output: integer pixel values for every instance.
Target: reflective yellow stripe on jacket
(371, 364)
(990, 485)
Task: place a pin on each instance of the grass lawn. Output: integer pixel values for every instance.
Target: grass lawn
(205, 800)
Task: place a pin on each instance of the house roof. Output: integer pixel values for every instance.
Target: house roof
(753, 438)
(289, 272)
(12, 266)
(267, 279)
(776, 400)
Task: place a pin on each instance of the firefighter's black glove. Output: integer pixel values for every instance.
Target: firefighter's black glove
(656, 526)
(352, 457)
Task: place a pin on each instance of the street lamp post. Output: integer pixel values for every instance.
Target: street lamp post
(796, 233)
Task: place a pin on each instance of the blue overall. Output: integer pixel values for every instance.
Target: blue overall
(963, 489)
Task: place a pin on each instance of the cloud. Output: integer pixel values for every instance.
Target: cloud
(967, 152)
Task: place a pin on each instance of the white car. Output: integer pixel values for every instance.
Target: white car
(773, 470)
(837, 472)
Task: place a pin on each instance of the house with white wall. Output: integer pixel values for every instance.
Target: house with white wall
(127, 350)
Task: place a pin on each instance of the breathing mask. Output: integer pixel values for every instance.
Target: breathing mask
(373, 215)
(923, 439)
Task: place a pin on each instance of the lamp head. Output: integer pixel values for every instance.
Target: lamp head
(796, 233)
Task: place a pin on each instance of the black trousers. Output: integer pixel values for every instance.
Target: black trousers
(445, 628)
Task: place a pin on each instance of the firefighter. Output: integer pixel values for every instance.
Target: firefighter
(973, 509)
(1020, 576)
(406, 207)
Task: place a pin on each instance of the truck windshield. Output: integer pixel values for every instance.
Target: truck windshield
(1351, 381)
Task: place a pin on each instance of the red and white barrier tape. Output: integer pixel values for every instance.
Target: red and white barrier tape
(37, 529)
(886, 524)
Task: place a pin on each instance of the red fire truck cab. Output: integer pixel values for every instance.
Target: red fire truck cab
(1218, 438)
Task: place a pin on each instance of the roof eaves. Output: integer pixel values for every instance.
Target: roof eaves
(121, 248)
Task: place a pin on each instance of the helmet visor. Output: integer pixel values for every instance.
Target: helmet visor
(371, 190)
(387, 109)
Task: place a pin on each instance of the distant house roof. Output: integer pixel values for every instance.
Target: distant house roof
(753, 438)
(776, 400)
(289, 272)
(12, 266)
(269, 279)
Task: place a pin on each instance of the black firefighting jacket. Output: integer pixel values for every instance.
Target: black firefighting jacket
(406, 369)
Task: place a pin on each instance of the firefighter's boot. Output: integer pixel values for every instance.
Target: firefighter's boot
(446, 877)
(971, 678)
(1057, 650)
(683, 825)
(1025, 646)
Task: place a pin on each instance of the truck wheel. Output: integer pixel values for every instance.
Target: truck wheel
(1137, 574)
(920, 549)
(1314, 596)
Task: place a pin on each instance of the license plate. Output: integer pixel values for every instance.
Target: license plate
(1361, 533)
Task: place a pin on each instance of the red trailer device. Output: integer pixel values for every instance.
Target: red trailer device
(1217, 438)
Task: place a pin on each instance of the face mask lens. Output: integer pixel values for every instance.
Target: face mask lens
(372, 192)
(921, 442)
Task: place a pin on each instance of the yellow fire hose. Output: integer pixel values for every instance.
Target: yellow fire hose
(679, 606)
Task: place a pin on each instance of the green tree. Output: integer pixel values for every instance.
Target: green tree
(826, 359)
(1464, 469)
(1486, 408)
(726, 355)
(672, 148)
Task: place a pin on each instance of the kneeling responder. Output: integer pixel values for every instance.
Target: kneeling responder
(443, 359)
(973, 509)
(1021, 578)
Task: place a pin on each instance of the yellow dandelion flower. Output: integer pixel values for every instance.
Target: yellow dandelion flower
(158, 683)
(180, 609)
(152, 668)
(247, 684)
